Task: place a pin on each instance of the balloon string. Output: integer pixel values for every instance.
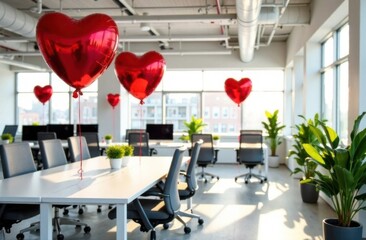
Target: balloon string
(80, 171)
(113, 120)
(43, 114)
(140, 150)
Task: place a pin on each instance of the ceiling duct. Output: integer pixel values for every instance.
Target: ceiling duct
(247, 14)
(16, 21)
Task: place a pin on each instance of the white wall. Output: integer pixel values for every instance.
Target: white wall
(7, 96)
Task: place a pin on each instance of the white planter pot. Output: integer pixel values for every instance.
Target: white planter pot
(216, 142)
(108, 141)
(125, 161)
(273, 161)
(116, 163)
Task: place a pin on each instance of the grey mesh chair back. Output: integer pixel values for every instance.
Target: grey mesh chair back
(92, 140)
(77, 151)
(12, 129)
(52, 153)
(140, 142)
(172, 202)
(16, 159)
(207, 153)
(250, 131)
(46, 135)
(133, 130)
(251, 150)
(190, 173)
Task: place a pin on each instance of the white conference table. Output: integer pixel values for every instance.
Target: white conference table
(99, 185)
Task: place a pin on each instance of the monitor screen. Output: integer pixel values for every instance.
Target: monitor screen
(87, 128)
(29, 132)
(63, 131)
(160, 131)
(12, 129)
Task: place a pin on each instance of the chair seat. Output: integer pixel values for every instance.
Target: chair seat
(17, 211)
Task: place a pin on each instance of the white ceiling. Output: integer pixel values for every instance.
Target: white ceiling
(174, 23)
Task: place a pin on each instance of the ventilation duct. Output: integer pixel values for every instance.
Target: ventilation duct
(16, 21)
(247, 14)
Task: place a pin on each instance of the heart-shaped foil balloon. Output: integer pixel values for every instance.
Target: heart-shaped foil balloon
(113, 99)
(43, 94)
(140, 75)
(78, 51)
(238, 91)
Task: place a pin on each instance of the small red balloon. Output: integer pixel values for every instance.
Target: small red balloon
(238, 91)
(43, 94)
(78, 51)
(140, 75)
(113, 99)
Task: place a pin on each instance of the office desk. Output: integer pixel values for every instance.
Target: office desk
(99, 185)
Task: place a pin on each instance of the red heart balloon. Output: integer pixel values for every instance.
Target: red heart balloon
(78, 51)
(238, 91)
(113, 99)
(43, 93)
(140, 75)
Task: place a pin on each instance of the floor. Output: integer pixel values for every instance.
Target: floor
(231, 211)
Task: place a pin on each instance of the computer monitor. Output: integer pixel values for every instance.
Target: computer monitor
(29, 132)
(63, 131)
(160, 131)
(12, 129)
(86, 128)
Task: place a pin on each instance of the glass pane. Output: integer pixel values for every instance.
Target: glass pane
(31, 111)
(215, 80)
(88, 108)
(343, 102)
(256, 104)
(149, 112)
(182, 81)
(266, 80)
(27, 81)
(221, 114)
(60, 103)
(181, 107)
(58, 85)
(327, 52)
(344, 41)
(328, 96)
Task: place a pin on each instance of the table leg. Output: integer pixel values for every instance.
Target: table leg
(121, 233)
(46, 221)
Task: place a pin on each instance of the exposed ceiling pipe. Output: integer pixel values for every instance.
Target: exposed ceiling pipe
(25, 65)
(16, 21)
(248, 14)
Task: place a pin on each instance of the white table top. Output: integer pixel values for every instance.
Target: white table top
(99, 184)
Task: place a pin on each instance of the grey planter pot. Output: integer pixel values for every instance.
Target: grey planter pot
(309, 194)
(331, 230)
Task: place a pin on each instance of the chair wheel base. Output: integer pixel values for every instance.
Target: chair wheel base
(187, 230)
(87, 229)
(200, 221)
(20, 236)
(60, 237)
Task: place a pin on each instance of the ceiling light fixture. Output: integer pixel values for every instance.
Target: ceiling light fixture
(145, 27)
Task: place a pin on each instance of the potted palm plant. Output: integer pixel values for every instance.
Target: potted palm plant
(196, 125)
(306, 166)
(115, 154)
(273, 128)
(341, 177)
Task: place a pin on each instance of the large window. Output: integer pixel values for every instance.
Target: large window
(334, 74)
(182, 94)
(61, 108)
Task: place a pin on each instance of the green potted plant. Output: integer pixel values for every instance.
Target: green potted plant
(341, 177)
(196, 125)
(7, 138)
(273, 128)
(128, 152)
(108, 138)
(216, 139)
(114, 154)
(305, 165)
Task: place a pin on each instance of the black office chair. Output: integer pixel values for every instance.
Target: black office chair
(92, 139)
(53, 155)
(133, 130)
(250, 154)
(140, 142)
(188, 187)
(17, 159)
(150, 212)
(78, 149)
(40, 137)
(207, 154)
(12, 129)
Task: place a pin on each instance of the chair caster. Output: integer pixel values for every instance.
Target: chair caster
(20, 236)
(81, 211)
(99, 210)
(187, 230)
(200, 221)
(246, 181)
(87, 229)
(166, 226)
(236, 179)
(66, 212)
(60, 237)
(153, 235)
